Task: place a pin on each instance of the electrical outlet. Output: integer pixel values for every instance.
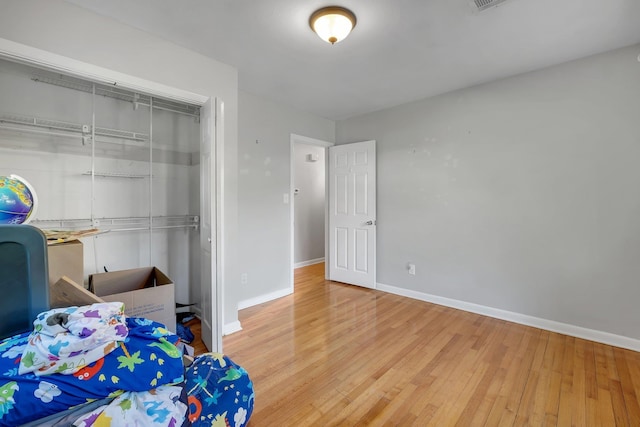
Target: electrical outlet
(243, 278)
(412, 269)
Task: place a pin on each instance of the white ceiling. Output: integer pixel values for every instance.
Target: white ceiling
(400, 50)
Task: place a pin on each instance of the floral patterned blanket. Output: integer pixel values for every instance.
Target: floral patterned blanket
(158, 407)
(65, 340)
(146, 359)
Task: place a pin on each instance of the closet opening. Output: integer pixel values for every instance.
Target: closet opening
(124, 163)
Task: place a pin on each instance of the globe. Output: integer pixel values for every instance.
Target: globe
(17, 200)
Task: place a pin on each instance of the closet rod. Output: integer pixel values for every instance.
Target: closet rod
(155, 227)
(197, 116)
(115, 175)
(120, 94)
(43, 132)
(71, 134)
(55, 127)
(171, 110)
(119, 223)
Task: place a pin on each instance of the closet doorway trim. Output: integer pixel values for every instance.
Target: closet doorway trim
(28, 55)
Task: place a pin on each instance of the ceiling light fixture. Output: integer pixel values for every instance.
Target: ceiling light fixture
(332, 24)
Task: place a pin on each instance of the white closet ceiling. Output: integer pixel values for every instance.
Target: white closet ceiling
(400, 50)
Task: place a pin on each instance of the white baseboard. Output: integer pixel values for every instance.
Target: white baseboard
(196, 310)
(550, 325)
(264, 298)
(309, 262)
(227, 329)
(232, 327)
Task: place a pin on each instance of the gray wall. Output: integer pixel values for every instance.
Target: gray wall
(263, 164)
(520, 194)
(309, 206)
(68, 30)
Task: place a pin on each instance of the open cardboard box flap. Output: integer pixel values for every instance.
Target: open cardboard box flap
(65, 292)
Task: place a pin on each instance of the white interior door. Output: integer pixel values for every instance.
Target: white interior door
(208, 304)
(352, 213)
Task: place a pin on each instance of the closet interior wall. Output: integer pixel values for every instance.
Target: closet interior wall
(102, 157)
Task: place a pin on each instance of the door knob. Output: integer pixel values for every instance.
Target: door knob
(369, 222)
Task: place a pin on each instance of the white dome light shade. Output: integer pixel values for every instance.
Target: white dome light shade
(333, 23)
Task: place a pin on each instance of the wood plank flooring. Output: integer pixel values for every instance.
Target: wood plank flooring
(339, 355)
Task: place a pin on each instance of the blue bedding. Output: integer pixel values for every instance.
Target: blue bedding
(146, 359)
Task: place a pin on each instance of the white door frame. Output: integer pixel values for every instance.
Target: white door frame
(299, 139)
(29, 55)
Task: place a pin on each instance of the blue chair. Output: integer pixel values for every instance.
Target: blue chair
(24, 281)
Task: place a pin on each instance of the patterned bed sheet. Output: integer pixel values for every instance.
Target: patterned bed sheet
(145, 360)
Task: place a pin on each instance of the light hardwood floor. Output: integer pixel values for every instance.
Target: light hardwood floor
(333, 354)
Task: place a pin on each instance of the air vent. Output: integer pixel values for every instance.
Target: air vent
(486, 4)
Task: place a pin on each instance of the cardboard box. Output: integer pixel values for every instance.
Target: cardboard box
(145, 292)
(65, 293)
(66, 259)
